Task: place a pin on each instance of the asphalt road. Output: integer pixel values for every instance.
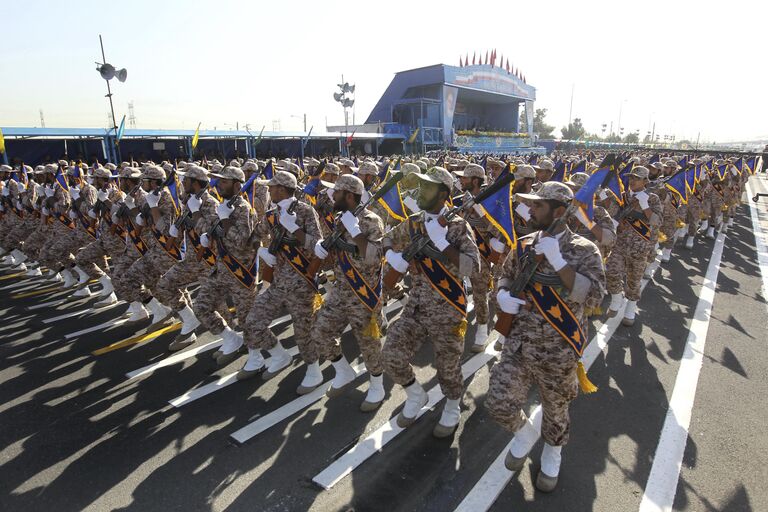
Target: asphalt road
(76, 433)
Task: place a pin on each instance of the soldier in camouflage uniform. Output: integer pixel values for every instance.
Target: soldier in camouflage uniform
(234, 237)
(536, 353)
(14, 230)
(83, 198)
(430, 314)
(670, 214)
(629, 256)
(38, 231)
(156, 214)
(716, 198)
(602, 232)
(55, 252)
(352, 299)
(290, 290)
(199, 214)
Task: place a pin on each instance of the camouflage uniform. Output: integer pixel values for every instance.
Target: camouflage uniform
(482, 278)
(55, 252)
(342, 306)
(537, 354)
(289, 291)
(240, 242)
(694, 209)
(603, 219)
(13, 233)
(92, 257)
(427, 315)
(170, 288)
(668, 222)
(716, 201)
(140, 280)
(629, 256)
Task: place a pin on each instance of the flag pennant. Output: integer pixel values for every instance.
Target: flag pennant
(121, 130)
(499, 212)
(677, 184)
(173, 189)
(62, 180)
(269, 170)
(721, 171)
(392, 201)
(560, 172)
(196, 136)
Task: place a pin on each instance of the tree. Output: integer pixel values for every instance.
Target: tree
(632, 138)
(574, 131)
(539, 126)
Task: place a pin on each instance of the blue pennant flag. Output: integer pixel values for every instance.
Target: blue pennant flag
(498, 210)
(62, 180)
(173, 188)
(624, 174)
(691, 179)
(677, 184)
(655, 158)
(560, 172)
(533, 159)
(751, 164)
(739, 164)
(586, 194)
(392, 201)
(269, 170)
(616, 187)
(213, 190)
(721, 171)
(683, 162)
(249, 190)
(120, 130)
(579, 167)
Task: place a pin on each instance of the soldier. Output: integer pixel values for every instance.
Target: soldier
(354, 297)
(641, 213)
(292, 288)
(13, 233)
(436, 305)
(545, 168)
(472, 179)
(83, 197)
(197, 217)
(602, 231)
(156, 212)
(55, 252)
(38, 231)
(716, 198)
(571, 274)
(670, 214)
(232, 239)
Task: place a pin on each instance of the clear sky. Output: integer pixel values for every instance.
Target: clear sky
(689, 66)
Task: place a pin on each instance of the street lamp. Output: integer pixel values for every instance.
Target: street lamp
(345, 97)
(300, 117)
(108, 72)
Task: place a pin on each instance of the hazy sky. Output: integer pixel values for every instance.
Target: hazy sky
(690, 67)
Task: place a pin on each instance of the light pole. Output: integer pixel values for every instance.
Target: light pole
(108, 72)
(347, 102)
(300, 117)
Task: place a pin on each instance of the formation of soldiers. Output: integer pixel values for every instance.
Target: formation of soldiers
(325, 242)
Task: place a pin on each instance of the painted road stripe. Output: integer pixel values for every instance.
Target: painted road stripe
(71, 300)
(220, 383)
(35, 293)
(100, 327)
(497, 476)
(273, 418)
(376, 440)
(173, 359)
(141, 338)
(80, 312)
(661, 487)
(11, 276)
(760, 241)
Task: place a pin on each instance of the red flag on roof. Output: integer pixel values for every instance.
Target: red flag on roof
(507, 64)
(473, 58)
(486, 57)
(460, 64)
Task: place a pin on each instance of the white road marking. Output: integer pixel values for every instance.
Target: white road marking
(661, 487)
(761, 244)
(375, 441)
(273, 418)
(81, 312)
(100, 327)
(485, 492)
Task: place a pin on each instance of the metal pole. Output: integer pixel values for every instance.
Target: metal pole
(570, 110)
(109, 95)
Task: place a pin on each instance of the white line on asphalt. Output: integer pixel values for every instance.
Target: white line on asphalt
(81, 312)
(273, 418)
(222, 382)
(497, 476)
(375, 441)
(105, 325)
(51, 303)
(760, 240)
(662, 482)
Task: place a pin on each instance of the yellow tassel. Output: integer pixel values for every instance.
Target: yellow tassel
(703, 216)
(372, 329)
(662, 237)
(679, 224)
(461, 328)
(584, 383)
(595, 311)
(317, 302)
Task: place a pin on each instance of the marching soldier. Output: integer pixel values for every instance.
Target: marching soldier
(55, 251)
(292, 288)
(436, 305)
(571, 274)
(602, 231)
(626, 264)
(354, 297)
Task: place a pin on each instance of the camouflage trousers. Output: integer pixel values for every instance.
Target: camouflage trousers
(628, 258)
(342, 307)
(93, 257)
(481, 284)
(668, 225)
(406, 335)
(34, 242)
(214, 291)
(170, 289)
(294, 296)
(543, 359)
(693, 216)
(58, 251)
(18, 231)
(139, 281)
(715, 208)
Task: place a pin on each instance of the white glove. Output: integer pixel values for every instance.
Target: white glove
(320, 251)
(129, 202)
(329, 193)
(584, 221)
(153, 200)
(74, 193)
(103, 195)
(523, 211)
(92, 214)
(351, 223)
(478, 209)
(508, 303)
(602, 195)
(497, 245)
(139, 220)
(204, 241)
(268, 258)
(173, 231)
(412, 204)
(6, 191)
(115, 220)
(46, 211)
(615, 223)
(22, 187)
(437, 234)
(72, 214)
(224, 211)
(642, 198)
(396, 261)
(550, 248)
(288, 221)
(39, 190)
(193, 203)
(49, 191)
(19, 205)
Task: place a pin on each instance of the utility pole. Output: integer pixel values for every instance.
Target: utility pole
(42, 119)
(570, 110)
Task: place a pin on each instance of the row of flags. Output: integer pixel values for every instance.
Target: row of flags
(490, 60)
